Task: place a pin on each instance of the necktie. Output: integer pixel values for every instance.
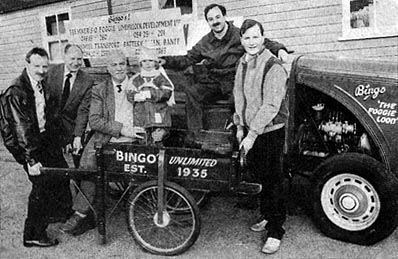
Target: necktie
(119, 88)
(65, 93)
(39, 87)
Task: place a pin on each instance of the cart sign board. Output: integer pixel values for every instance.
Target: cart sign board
(183, 164)
(161, 29)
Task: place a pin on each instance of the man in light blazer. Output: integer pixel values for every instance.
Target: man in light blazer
(111, 120)
(70, 93)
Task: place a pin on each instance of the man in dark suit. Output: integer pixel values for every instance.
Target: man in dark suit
(111, 120)
(70, 92)
(27, 111)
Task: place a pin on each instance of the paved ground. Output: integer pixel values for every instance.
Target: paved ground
(224, 233)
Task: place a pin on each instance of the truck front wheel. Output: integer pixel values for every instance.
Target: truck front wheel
(355, 199)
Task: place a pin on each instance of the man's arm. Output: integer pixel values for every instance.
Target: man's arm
(26, 133)
(81, 120)
(83, 111)
(274, 46)
(182, 62)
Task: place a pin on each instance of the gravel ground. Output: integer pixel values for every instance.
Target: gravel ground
(224, 232)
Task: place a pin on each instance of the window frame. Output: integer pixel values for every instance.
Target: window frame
(194, 14)
(47, 39)
(349, 33)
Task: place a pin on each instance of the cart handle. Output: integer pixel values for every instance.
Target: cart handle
(162, 174)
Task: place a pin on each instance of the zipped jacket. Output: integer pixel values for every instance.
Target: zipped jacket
(260, 94)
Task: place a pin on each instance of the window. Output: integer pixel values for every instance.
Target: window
(369, 19)
(187, 6)
(53, 33)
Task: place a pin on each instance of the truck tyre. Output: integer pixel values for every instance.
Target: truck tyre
(354, 199)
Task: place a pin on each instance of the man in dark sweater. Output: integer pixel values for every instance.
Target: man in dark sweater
(219, 51)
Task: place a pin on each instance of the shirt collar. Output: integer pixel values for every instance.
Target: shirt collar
(33, 82)
(66, 71)
(123, 84)
(247, 58)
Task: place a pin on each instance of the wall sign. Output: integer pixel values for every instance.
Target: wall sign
(162, 29)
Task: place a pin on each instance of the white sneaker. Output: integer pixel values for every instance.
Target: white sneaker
(259, 226)
(271, 245)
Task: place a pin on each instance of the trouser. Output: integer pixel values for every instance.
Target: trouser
(206, 92)
(82, 201)
(264, 159)
(49, 196)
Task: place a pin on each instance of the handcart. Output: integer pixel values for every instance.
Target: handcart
(162, 215)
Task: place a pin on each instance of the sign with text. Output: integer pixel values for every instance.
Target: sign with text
(161, 29)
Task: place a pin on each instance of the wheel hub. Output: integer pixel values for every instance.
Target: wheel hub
(349, 202)
(165, 219)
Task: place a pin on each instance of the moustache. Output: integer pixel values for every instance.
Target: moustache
(216, 24)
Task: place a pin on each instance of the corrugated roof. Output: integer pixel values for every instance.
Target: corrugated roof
(7, 6)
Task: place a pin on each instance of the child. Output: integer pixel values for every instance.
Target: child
(150, 93)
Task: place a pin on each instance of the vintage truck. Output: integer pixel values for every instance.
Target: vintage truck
(343, 135)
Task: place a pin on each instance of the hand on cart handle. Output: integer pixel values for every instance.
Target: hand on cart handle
(77, 145)
(246, 144)
(239, 133)
(34, 169)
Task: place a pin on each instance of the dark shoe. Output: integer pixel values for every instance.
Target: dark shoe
(44, 242)
(87, 224)
(72, 224)
(77, 225)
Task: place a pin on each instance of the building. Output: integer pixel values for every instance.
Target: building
(358, 28)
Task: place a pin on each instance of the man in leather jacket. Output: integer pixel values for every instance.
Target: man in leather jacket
(26, 111)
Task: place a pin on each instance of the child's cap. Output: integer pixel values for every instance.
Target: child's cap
(148, 54)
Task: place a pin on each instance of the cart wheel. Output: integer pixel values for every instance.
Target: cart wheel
(179, 206)
(178, 231)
